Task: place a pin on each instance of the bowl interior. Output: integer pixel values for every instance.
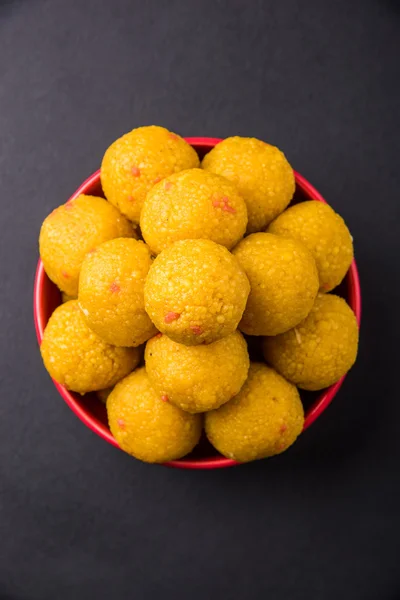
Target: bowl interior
(89, 408)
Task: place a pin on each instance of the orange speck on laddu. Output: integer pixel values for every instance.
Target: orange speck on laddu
(114, 287)
(158, 335)
(157, 179)
(172, 136)
(223, 204)
(171, 316)
(131, 199)
(65, 274)
(135, 171)
(283, 428)
(121, 423)
(164, 398)
(228, 208)
(197, 330)
(168, 185)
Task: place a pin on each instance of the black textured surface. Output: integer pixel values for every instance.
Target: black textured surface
(80, 519)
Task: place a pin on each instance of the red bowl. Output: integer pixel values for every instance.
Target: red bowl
(89, 408)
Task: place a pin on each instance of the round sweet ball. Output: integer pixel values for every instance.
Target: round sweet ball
(321, 349)
(261, 173)
(77, 358)
(193, 204)
(71, 231)
(196, 292)
(111, 292)
(264, 419)
(283, 283)
(148, 427)
(325, 234)
(197, 378)
(138, 160)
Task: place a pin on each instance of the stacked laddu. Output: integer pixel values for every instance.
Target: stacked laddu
(218, 257)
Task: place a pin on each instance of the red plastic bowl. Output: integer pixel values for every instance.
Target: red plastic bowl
(89, 408)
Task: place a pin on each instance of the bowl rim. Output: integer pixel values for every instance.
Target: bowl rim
(217, 462)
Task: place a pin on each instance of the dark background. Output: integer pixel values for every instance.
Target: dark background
(319, 79)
